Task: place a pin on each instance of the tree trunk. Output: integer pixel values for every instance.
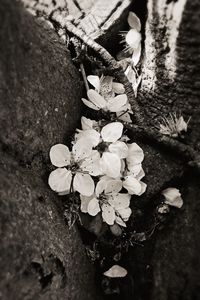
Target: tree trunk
(40, 257)
(167, 267)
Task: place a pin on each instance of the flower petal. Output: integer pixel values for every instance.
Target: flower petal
(134, 169)
(84, 203)
(108, 214)
(143, 188)
(93, 207)
(141, 174)
(101, 186)
(133, 38)
(132, 185)
(173, 197)
(90, 104)
(91, 164)
(135, 154)
(113, 186)
(119, 221)
(119, 148)
(118, 88)
(134, 21)
(115, 104)
(119, 200)
(96, 99)
(60, 180)
(84, 184)
(81, 149)
(86, 123)
(125, 213)
(94, 81)
(110, 164)
(60, 155)
(116, 272)
(112, 132)
(90, 136)
(136, 55)
(125, 117)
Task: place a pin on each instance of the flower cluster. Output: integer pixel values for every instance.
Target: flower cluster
(104, 169)
(108, 96)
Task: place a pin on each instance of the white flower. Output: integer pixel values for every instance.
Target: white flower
(108, 144)
(173, 125)
(133, 37)
(116, 272)
(105, 86)
(135, 81)
(70, 173)
(97, 102)
(114, 205)
(173, 197)
(133, 172)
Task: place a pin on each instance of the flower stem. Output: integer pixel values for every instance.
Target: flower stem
(84, 76)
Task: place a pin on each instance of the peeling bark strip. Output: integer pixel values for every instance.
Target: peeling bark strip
(95, 18)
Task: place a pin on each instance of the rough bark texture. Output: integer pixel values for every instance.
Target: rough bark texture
(167, 267)
(40, 105)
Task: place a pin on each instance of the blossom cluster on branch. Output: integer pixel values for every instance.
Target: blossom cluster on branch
(104, 167)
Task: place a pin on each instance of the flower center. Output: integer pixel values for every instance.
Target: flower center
(102, 147)
(74, 167)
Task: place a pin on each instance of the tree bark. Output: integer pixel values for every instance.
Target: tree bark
(40, 94)
(167, 267)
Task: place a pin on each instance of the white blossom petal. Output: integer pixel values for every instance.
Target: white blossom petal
(136, 55)
(96, 99)
(112, 132)
(118, 88)
(134, 21)
(60, 180)
(82, 149)
(90, 136)
(125, 213)
(173, 197)
(119, 221)
(130, 74)
(110, 164)
(84, 203)
(86, 123)
(113, 186)
(132, 185)
(90, 104)
(143, 188)
(116, 272)
(181, 124)
(101, 186)
(108, 214)
(119, 148)
(135, 154)
(60, 155)
(84, 184)
(94, 81)
(141, 174)
(93, 207)
(115, 104)
(125, 117)
(134, 169)
(119, 201)
(91, 164)
(133, 38)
